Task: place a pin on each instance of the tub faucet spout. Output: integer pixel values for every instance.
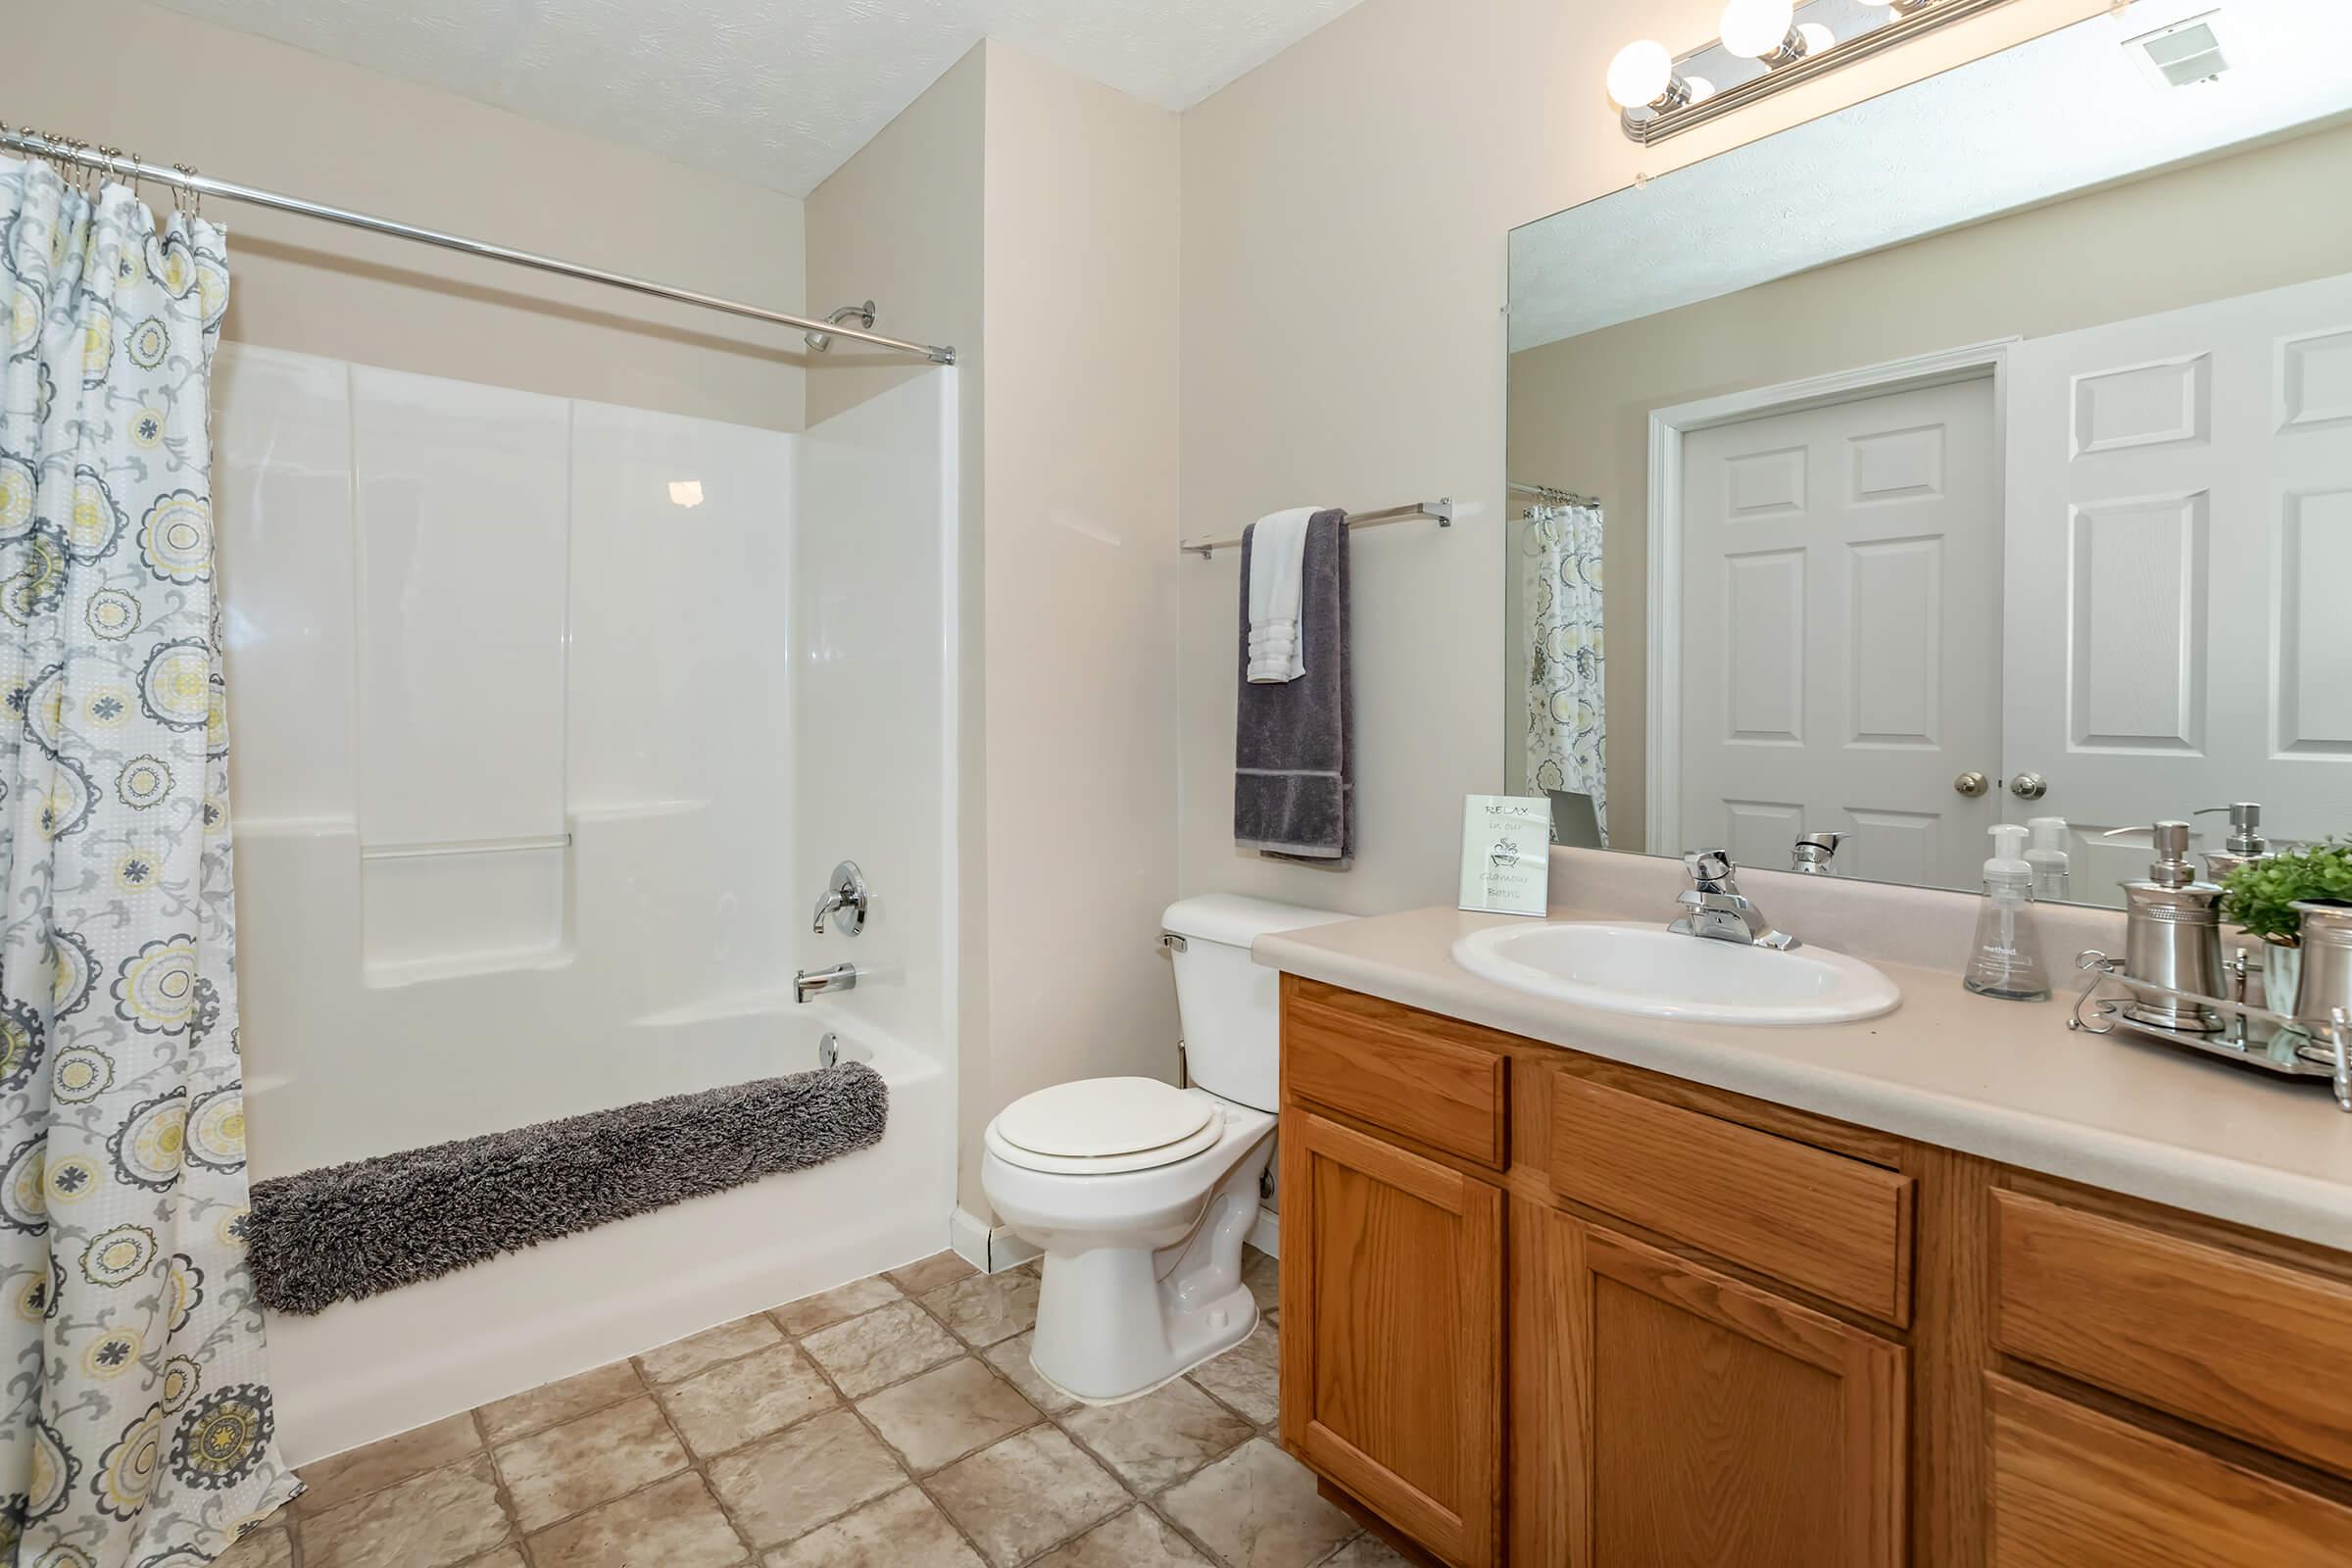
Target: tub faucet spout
(808, 983)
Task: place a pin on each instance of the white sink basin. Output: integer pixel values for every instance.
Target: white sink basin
(1649, 971)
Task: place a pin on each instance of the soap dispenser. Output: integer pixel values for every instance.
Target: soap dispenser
(2245, 843)
(2053, 868)
(2172, 938)
(2007, 960)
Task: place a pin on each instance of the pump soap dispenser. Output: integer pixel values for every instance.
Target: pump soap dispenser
(2172, 938)
(2052, 867)
(2007, 960)
(2245, 843)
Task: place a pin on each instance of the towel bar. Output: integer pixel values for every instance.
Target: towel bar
(1439, 512)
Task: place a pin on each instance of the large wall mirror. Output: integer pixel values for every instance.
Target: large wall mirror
(1982, 453)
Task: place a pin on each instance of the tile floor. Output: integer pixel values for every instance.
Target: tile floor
(892, 1423)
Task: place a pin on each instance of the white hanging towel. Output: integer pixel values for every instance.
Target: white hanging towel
(1277, 547)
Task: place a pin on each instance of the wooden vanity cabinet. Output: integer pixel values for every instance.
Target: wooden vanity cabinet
(1545, 1310)
(1712, 1421)
(1392, 1346)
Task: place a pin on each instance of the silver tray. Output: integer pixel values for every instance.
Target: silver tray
(2251, 1037)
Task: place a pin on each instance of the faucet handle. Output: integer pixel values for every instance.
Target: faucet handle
(1826, 839)
(1710, 865)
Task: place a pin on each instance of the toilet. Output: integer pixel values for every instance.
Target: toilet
(1140, 1195)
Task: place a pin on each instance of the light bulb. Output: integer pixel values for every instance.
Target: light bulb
(1640, 75)
(1818, 38)
(1754, 29)
(1702, 89)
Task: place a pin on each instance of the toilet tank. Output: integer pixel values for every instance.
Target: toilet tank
(1230, 1006)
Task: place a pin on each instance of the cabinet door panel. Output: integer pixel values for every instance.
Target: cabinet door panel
(1721, 1423)
(2074, 1486)
(1392, 1297)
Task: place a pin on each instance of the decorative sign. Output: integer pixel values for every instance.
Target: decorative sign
(1506, 854)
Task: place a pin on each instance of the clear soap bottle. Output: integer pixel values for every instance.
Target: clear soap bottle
(2006, 961)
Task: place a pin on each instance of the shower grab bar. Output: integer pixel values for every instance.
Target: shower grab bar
(419, 852)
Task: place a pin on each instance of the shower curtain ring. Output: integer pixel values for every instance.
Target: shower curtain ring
(191, 198)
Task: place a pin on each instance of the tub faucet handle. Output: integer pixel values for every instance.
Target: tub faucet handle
(846, 896)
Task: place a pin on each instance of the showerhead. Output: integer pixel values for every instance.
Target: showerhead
(863, 314)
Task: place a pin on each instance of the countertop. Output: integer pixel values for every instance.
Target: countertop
(2004, 1080)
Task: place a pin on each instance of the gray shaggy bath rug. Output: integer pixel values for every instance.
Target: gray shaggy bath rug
(348, 1231)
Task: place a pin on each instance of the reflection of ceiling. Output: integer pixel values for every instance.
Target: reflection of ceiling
(774, 92)
(2049, 118)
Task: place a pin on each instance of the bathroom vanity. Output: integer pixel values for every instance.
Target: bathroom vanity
(1947, 1286)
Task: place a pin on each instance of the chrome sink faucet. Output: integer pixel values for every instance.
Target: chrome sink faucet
(1816, 853)
(1719, 912)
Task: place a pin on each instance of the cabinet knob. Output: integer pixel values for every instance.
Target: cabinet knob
(1972, 784)
(2029, 786)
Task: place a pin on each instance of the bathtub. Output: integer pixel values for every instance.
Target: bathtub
(365, 1370)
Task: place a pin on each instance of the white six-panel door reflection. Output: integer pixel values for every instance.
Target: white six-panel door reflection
(1841, 587)
(2180, 549)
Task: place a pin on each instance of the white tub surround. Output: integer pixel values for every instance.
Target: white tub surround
(550, 718)
(2004, 1080)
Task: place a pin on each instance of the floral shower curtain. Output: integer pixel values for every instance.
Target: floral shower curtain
(138, 1426)
(1566, 715)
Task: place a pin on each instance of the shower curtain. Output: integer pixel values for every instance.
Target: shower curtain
(1566, 715)
(138, 1429)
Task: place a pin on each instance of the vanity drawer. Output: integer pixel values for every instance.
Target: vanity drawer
(1414, 1074)
(2073, 1486)
(2256, 1348)
(1836, 1225)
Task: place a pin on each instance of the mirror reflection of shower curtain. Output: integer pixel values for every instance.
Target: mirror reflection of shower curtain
(1560, 585)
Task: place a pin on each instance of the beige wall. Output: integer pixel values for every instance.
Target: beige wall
(1018, 195)
(902, 223)
(1580, 407)
(177, 90)
(1081, 533)
(1345, 213)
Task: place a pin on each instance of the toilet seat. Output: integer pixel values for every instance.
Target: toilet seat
(1104, 1126)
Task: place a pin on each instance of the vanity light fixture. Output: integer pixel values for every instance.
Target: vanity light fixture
(1763, 29)
(1642, 77)
(1766, 45)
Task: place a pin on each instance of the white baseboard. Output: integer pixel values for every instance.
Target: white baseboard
(1266, 1233)
(991, 1249)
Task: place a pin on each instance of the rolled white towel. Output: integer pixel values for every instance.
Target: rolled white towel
(1277, 557)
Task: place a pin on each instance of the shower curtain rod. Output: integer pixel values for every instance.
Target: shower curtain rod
(134, 169)
(1556, 496)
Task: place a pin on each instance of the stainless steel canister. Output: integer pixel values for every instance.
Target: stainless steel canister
(2327, 981)
(2172, 938)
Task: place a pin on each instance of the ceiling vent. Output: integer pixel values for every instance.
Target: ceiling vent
(2183, 54)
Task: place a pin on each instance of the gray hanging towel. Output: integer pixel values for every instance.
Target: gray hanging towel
(1294, 753)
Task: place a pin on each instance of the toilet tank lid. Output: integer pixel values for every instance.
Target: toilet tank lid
(1238, 921)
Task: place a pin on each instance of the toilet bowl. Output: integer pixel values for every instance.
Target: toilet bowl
(1140, 1196)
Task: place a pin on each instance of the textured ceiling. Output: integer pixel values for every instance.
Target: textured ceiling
(2046, 119)
(775, 92)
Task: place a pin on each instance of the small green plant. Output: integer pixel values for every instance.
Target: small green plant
(2261, 894)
